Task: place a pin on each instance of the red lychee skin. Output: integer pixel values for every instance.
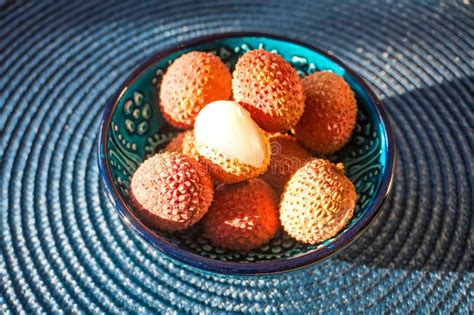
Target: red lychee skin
(183, 143)
(287, 157)
(171, 191)
(270, 89)
(227, 170)
(330, 113)
(190, 83)
(243, 216)
(318, 202)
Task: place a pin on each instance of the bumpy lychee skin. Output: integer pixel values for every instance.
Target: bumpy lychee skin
(243, 216)
(171, 191)
(330, 113)
(183, 143)
(230, 143)
(287, 157)
(227, 170)
(270, 89)
(190, 82)
(318, 201)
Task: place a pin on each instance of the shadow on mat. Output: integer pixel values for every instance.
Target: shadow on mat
(427, 220)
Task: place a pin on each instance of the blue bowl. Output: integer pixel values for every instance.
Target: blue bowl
(133, 128)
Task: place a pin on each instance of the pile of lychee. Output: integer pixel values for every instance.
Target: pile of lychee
(243, 165)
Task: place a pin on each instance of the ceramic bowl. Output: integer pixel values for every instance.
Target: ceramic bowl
(133, 128)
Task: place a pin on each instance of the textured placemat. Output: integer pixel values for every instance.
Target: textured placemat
(63, 246)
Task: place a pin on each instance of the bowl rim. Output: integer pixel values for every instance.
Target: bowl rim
(189, 259)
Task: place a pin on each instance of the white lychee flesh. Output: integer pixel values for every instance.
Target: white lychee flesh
(227, 127)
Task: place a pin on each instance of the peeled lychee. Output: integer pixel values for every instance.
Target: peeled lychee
(171, 191)
(230, 143)
(190, 82)
(243, 216)
(287, 157)
(330, 113)
(270, 89)
(318, 201)
(183, 143)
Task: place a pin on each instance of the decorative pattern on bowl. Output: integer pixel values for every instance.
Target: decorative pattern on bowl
(133, 129)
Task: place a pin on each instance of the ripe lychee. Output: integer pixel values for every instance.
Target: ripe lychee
(171, 191)
(318, 201)
(230, 143)
(183, 143)
(190, 82)
(330, 113)
(287, 157)
(243, 216)
(270, 89)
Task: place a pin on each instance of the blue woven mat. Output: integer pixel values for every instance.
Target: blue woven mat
(63, 246)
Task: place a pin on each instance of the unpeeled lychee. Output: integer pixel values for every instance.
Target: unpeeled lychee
(243, 216)
(270, 89)
(318, 201)
(190, 82)
(330, 113)
(287, 157)
(171, 191)
(183, 143)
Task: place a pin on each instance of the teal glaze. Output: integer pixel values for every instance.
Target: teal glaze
(134, 129)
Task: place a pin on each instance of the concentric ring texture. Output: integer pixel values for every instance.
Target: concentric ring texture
(63, 246)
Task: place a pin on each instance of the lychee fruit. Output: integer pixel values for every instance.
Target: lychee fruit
(270, 89)
(243, 216)
(318, 201)
(330, 113)
(183, 143)
(171, 191)
(190, 82)
(287, 157)
(230, 143)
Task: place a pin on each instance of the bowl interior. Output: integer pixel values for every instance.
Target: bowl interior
(137, 130)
